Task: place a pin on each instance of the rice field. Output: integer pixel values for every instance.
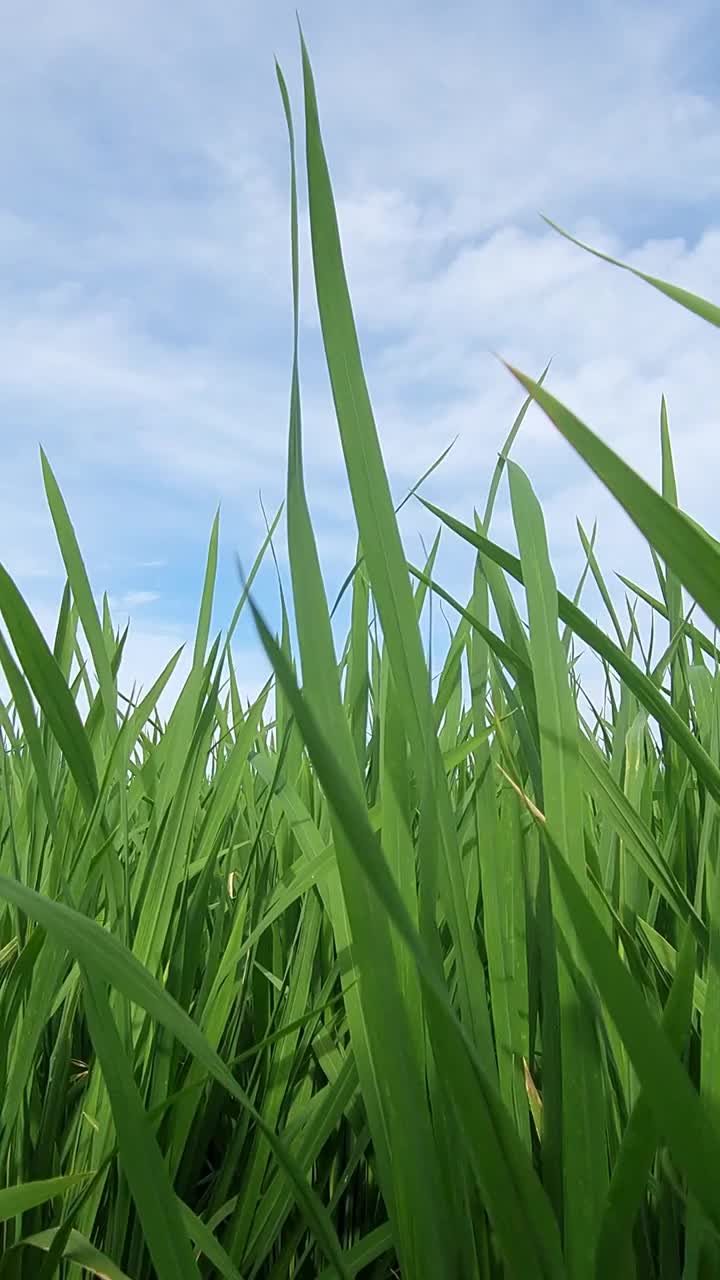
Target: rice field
(375, 976)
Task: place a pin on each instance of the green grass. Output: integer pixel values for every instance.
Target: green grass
(372, 977)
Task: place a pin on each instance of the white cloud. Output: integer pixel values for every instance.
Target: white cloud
(133, 600)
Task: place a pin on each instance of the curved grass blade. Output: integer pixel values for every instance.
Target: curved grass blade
(699, 306)
(206, 1243)
(682, 545)
(28, 1195)
(366, 1251)
(79, 1250)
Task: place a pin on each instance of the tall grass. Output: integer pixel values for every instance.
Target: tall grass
(378, 978)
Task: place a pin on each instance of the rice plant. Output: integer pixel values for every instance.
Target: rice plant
(376, 975)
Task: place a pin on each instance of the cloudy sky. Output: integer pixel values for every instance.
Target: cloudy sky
(145, 318)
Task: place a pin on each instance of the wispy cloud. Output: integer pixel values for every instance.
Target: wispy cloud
(131, 600)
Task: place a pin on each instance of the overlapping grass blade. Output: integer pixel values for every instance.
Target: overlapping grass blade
(644, 689)
(582, 1102)
(162, 1222)
(79, 1250)
(378, 1017)
(382, 547)
(519, 1210)
(45, 678)
(640, 1139)
(103, 955)
(679, 1115)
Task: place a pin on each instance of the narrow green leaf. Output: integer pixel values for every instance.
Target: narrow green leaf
(699, 306)
(640, 1139)
(18, 1199)
(384, 556)
(644, 689)
(79, 1250)
(682, 545)
(583, 1122)
(47, 683)
(679, 1115)
(81, 590)
(105, 957)
(144, 1167)
(516, 1203)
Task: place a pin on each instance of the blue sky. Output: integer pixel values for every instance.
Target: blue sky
(145, 315)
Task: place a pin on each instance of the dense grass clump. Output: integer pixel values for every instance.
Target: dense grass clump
(372, 978)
